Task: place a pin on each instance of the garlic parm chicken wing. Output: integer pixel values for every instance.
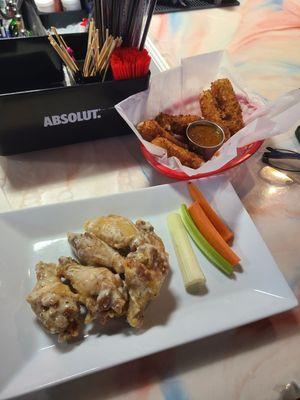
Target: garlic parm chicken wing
(118, 232)
(122, 234)
(54, 304)
(145, 271)
(146, 265)
(90, 250)
(102, 292)
(146, 235)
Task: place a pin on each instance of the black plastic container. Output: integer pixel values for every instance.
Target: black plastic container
(47, 20)
(54, 116)
(62, 19)
(28, 64)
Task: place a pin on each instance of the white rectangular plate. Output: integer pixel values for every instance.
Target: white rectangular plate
(32, 359)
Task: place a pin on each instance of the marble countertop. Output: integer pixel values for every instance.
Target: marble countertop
(253, 361)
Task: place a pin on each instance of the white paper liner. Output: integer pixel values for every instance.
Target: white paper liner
(176, 91)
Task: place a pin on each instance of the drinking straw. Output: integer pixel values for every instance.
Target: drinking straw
(147, 25)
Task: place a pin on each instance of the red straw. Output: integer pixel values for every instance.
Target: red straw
(129, 62)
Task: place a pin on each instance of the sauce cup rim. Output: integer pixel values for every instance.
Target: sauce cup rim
(205, 122)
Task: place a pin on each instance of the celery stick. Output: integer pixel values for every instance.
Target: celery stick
(191, 272)
(200, 241)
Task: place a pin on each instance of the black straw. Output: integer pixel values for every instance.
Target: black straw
(147, 25)
(124, 18)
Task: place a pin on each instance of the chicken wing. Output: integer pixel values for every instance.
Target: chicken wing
(91, 250)
(118, 232)
(145, 271)
(146, 266)
(225, 97)
(186, 157)
(146, 235)
(102, 292)
(123, 234)
(55, 306)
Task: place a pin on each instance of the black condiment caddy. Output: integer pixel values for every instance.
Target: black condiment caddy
(39, 111)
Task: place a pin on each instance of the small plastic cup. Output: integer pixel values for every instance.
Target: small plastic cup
(45, 6)
(71, 5)
(205, 151)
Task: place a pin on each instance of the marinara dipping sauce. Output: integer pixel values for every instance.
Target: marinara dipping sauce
(205, 137)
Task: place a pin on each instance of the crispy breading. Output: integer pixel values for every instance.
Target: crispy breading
(181, 122)
(172, 138)
(164, 120)
(211, 112)
(177, 124)
(227, 102)
(150, 129)
(186, 157)
(209, 108)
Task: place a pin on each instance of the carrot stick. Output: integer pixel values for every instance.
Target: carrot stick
(211, 234)
(219, 225)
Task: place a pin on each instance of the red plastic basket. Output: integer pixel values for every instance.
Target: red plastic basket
(243, 154)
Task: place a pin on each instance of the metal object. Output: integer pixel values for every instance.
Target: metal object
(297, 133)
(287, 160)
(291, 391)
(205, 151)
